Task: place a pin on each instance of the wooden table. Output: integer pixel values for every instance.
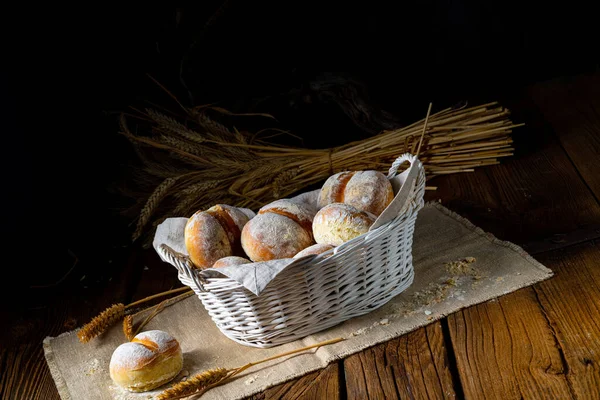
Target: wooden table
(539, 342)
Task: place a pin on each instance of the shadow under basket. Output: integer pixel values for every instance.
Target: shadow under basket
(317, 292)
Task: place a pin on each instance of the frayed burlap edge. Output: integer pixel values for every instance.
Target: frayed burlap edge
(61, 385)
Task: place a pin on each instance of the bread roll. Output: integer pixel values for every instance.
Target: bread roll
(214, 234)
(150, 360)
(314, 250)
(368, 191)
(280, 230)
(230, 261)
(337, 223)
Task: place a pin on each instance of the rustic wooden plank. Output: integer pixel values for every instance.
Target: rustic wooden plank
(473, 196)
(322, 384)
(572, 107)
(35, 384)
(559, 241)
(506, 349)
(571, 301)
(541, 187)
(412, 366)
(325, 386)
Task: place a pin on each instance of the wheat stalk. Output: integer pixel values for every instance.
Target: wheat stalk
(116, 312)
(283, 178)
(171, 125)
(101, 323)
(212, 126)
(206, 380)
(195, 384)
(152, 203)
(128, 327)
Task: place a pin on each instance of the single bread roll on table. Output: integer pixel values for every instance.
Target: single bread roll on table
(280, 230)
(368, 191)
(338, 223)
(150, 360)
(214, 234)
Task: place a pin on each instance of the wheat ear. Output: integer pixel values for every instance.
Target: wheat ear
(195, 384)
(128, 327)
(151, 204)
(101, 323)
(114, 313)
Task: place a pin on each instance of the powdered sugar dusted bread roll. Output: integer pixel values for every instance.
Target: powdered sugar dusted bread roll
(280, 230)
(214, 234)
(230, 261)
(314, 250)
(150, 360)
(368, 191)
(337, 223)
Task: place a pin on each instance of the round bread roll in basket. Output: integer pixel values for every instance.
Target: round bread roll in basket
(306, 295)
(215, 233)
(368, 191)
(280, 230)
(338, 223)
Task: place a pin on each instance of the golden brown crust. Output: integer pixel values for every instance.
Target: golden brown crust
(333, 189)
(151, 359)
(369, 191)
(304, 223)
(173, 348)
(205, 240)
(228, 224)
(147, 343)
(338, 192)
(271, 236)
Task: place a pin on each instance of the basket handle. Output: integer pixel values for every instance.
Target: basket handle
(411, 191)
(184, 265)
(414, 185)
(393, 171)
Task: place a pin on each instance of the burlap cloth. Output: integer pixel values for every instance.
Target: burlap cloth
(80, 371)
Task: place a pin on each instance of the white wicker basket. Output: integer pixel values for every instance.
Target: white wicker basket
(315, 293)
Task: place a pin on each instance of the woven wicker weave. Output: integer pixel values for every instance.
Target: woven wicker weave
(318, 292)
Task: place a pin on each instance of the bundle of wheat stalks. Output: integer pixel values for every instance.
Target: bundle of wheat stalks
(209, 163)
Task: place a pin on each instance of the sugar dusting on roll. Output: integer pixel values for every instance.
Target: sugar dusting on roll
(150, 360)
(215, 233)
(272, 236)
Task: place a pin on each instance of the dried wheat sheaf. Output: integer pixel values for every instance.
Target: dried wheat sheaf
(201, 162)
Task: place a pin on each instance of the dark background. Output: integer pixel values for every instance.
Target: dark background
(67, 71)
